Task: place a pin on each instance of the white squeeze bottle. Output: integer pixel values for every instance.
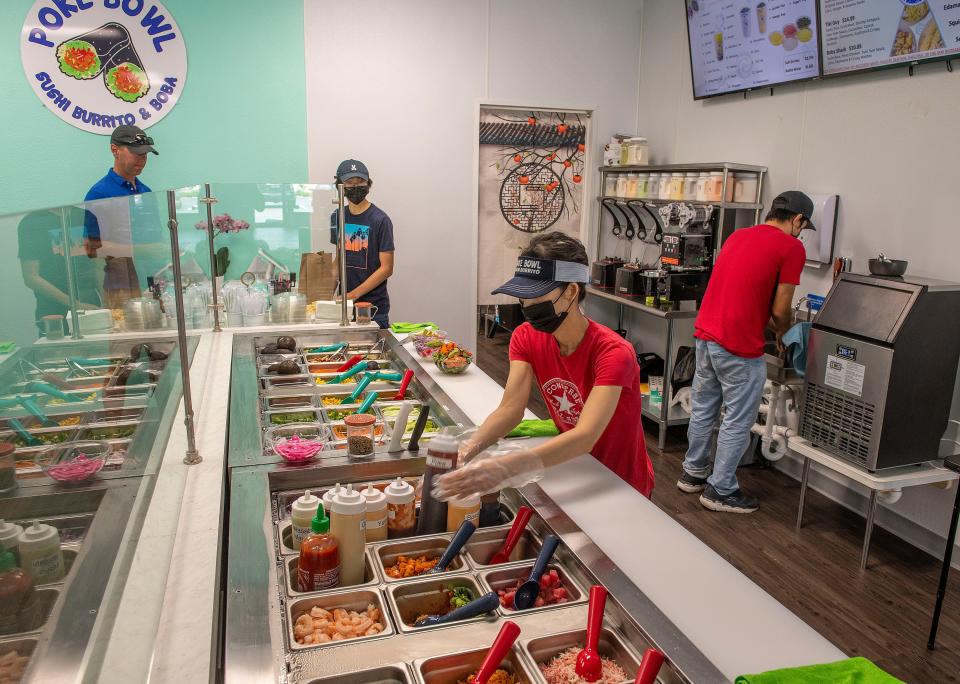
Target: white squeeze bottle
(301, 515)
(347, 524)
(40, 554)
(376, 516)
(328, 497)
(9, 534)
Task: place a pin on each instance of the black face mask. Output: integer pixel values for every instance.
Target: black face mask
(356, 193)
(544, 316)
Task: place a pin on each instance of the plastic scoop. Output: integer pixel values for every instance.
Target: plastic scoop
(21, 431)
(407, 377)
(528, 592)
(459, 540)
(519, 525)
(649, 666)
(501, 645)
(326, 349)
(481, 606)
(388, 375)
(589, 663)
(30, 405)
(349, 373)
(361, 386)
(367, 403)
(353, 361)
(47, 388)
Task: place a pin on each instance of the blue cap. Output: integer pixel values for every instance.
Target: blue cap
(536, 277)
(351, 168)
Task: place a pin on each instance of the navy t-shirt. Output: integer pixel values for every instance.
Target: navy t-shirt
(366, 235)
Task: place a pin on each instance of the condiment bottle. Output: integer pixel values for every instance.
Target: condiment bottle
(318, 567)
(16, 596)
(328, 496)
(441, 458)
(376, 516)
(40, 553)
(9, 534)
(459, 510)
(401, 509)
(347, 523)
(301, 515)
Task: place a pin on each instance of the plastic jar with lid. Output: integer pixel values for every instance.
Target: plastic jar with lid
(714, 189)
(625, 152)
(631, 185)
(690, 186)
(642, 180)
(621, 185)
(653, 186)
(610, 185)
(360, 434)
(401, 509)
(676, 186)
(639, 154)
(731, 186)
(745, 187)
(665, 179)
(702, 180)
(462, 510)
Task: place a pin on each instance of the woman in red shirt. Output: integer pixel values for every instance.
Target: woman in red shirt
(587, 373)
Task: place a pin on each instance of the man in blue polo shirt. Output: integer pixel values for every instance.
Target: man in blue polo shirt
(108, 233)
(369, 241)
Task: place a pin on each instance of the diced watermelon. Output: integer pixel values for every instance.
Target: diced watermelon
(539, 603)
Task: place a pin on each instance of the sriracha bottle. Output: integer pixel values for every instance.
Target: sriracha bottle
(319, 564)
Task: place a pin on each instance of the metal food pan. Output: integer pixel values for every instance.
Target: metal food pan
(24, 648)
(323, 367)
(486, 542)
(370, 577)
(46, 598)
(331, 413)
(456, 667)
(388, 674)
(315, 416)
(264, 373)
(410, 600)
(130, 391)
(110, 432)
(72, 528)
(117, 415)
(494, 580)
(339, 431)
(348, 384)
(286, 381)
(386, 554)
(357, 600)
(61, 435)
(289, 402)
(542, 649)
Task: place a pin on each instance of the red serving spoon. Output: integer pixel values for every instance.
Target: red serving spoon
(407, 377)
(519, 525)
(503, 643)
(649, 666)
(589, 663)
(353, 361)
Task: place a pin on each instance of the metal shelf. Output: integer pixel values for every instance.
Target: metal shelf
(721, 166)
(697, 203)
(675, 416)
(638, 306)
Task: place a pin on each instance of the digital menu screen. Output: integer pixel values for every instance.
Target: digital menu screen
(867, 34)
(739, 45)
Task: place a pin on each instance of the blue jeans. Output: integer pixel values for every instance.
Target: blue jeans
(736, 383)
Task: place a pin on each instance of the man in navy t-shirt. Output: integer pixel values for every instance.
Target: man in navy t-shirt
(368, 234)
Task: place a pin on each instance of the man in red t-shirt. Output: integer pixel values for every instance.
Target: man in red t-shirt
(751, 285)
(587, 373)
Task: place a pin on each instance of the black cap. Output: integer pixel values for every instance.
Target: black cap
(795, 202)
(133, 138)
(351, 168)
(536, 277)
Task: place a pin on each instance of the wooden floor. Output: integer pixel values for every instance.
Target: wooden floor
(882, 613)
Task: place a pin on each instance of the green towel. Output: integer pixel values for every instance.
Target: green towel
(7, 346)
(400, 328)
(535, 428)
(851, 671)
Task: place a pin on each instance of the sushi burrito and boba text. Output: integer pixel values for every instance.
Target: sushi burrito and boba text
(99, 64)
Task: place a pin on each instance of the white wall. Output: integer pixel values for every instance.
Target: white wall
(885, 142)
(397, 85)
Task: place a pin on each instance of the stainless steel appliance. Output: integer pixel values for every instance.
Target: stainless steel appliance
(603, 273)
(881, 365)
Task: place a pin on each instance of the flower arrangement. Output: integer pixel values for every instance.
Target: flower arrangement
(224, 223)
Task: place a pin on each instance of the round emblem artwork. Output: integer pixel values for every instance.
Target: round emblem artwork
(531, 198)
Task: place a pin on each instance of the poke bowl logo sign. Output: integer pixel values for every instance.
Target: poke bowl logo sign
(99, 64)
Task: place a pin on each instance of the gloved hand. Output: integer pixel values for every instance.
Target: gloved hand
(489, 473)
(469, 446)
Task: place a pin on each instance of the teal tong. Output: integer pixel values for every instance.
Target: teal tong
(338, 380)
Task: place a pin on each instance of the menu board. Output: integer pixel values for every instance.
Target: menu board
(866, 34)
(743, 44)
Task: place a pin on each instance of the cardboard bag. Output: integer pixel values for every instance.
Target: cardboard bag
(317, 278)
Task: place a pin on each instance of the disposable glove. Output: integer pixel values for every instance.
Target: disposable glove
(489, 473)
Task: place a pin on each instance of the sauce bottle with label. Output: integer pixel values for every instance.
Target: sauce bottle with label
(459, 510)
(441, 459)
(376, 516)
(301, 515)
(401, 509)
(318, 567)
(16, 596)
(40, 553)
(347, 523)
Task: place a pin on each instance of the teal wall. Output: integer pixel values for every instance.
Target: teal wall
(241, 117)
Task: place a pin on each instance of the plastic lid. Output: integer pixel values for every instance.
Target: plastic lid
(376, 500)
(8, 529)
(7, 561)
(446, 441)
(359, 419)
(308, 502)
(330, 493)
(38, 532)
(348, 502)
(400, 492)
(320, 523)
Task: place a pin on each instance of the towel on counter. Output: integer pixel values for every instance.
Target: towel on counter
(535, 428)
(851, 671)
(402, 328)
(7, 346)
(795, 340)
